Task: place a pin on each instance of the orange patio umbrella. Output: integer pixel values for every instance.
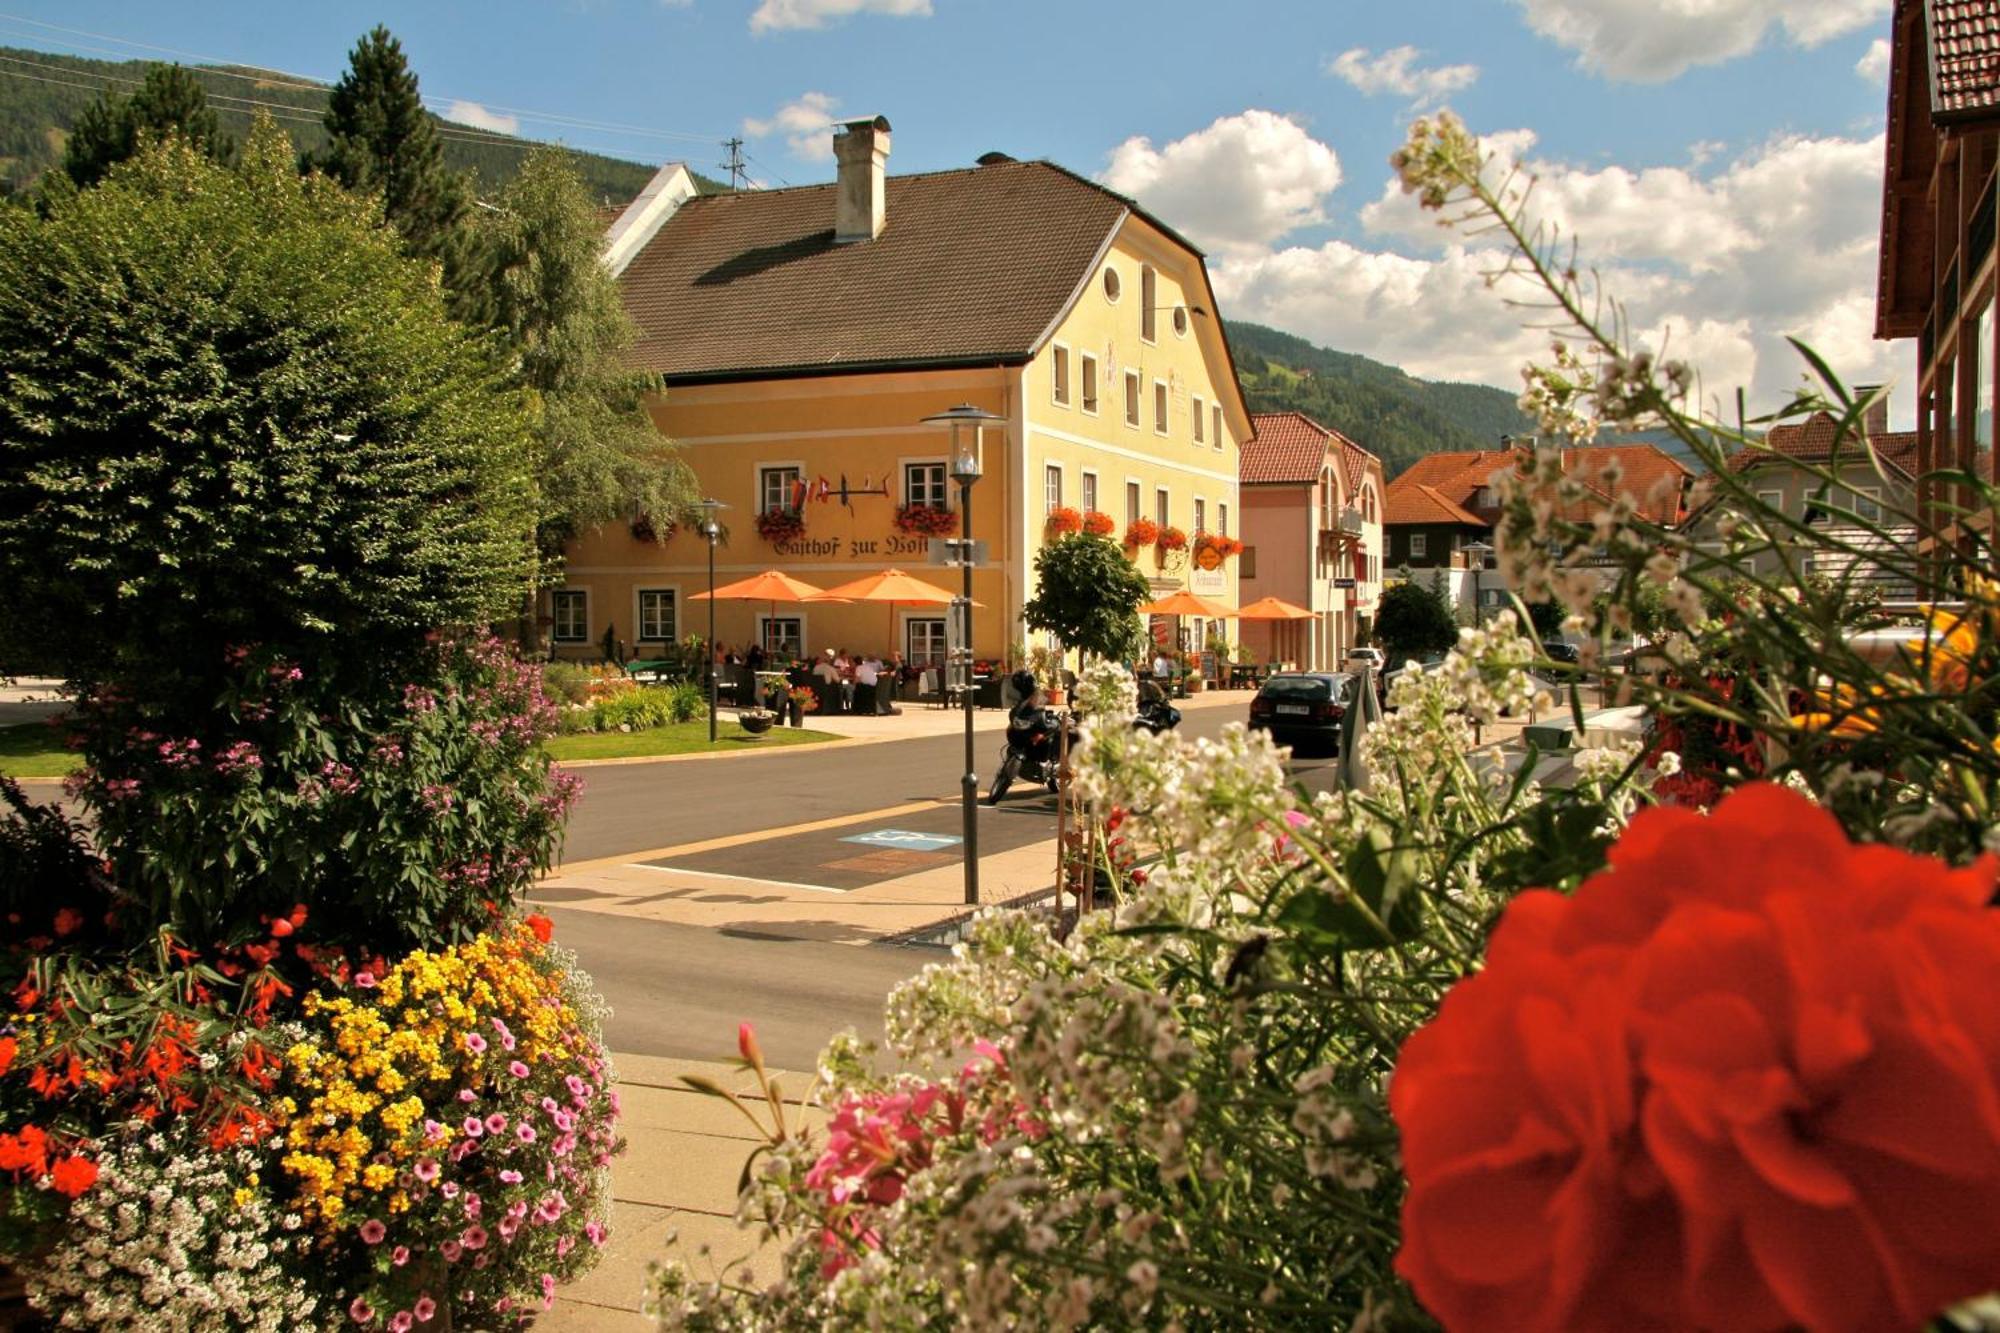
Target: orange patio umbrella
(1273, 608)
(1185, 603)
(894, 587)
(770, 586)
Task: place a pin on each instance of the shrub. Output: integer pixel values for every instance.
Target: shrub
(687, 700)
(1412, 620)
(639, 710)
(405, 813)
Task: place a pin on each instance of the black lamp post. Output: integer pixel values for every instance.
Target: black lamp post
(712, 530)
(968, 425)
(1479, 551)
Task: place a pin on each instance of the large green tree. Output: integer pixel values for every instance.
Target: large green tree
(1413, 620)
(381, 141)
(232, 412)
(169, 102)
(598, 457)
(1088, 595)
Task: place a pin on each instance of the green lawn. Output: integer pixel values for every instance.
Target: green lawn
(34, 750)
(680, 738)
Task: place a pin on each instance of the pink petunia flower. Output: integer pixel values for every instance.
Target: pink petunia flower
(473, 1127)
(451, 1249)
(473, 1238)
(373, 1232)
(525, 1133)
(495, 1123)
(361, 1312)
(402, 1322)
(427, 1169)
(426, 1307)
(475, 1043)
(400, 1255)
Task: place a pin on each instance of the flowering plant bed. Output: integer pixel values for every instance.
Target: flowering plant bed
(923, 520)
(1141, 532)
(781, 525)
(1064, 520)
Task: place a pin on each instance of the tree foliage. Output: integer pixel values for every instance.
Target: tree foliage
(381, 141)
(598, 457)
(1413, 620)
(1088, 595)
(231, 412)
(170, 102)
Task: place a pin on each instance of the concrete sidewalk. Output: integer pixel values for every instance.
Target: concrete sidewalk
(685, 1151)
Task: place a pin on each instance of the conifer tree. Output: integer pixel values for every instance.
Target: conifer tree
(170, 101)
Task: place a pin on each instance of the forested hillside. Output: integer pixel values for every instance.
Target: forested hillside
(1396, 416)
(42, 93)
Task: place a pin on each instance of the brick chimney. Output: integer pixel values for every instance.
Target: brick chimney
(862, 146)
(1876, 421)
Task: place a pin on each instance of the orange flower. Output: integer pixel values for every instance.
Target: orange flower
(73, 1175)
(544, 928)
(8, 1046)
(1746, 1078)
(68, 921)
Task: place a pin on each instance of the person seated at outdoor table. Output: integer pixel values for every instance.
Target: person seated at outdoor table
(1163, 666)
(754, 659)
(827, 673)
(845, 665)
(868, 671)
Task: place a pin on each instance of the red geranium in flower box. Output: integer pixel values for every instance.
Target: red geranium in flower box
(1063, 520)
(1142, 532)
(780, 525)
(1172, 539)
(1098, 524)
(922, 520)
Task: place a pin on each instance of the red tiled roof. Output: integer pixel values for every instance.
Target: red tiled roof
(1965, 58)
(1440, 488)
(972, 268)
(1289, 447)
(1811, 441)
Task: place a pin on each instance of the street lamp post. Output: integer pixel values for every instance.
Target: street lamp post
(1479, 551)
(968, 427)
(711, 529)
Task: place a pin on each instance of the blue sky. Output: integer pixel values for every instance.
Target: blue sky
(1724, 170)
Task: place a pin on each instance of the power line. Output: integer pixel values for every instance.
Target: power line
(734, 166)
(308, 83)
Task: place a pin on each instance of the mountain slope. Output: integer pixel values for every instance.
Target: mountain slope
(1395, 415)
(42, 93)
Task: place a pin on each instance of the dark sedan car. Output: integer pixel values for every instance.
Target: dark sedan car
(1301, 708)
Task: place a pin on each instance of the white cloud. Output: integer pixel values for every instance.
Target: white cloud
(1874, 63)
(471, 113)
(1239, 184)
(1651, 41)
(1396, 71)
(773, 15)
(806, 125)
(1716, 267)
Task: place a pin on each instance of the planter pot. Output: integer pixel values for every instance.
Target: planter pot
(756, 723)
(795, 713)
(1196, 684)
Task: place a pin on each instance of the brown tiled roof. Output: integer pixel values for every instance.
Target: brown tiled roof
(1811, 441)
(1290, 447)
(972, 268)
(1418, 503)
(1965, 58)
(1439, 488)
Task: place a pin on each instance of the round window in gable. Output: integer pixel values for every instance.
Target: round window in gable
(1180, 321)
(1111, 284)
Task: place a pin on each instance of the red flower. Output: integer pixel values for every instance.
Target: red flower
(73, 1175)
(1063, 519)
(1172, 539)
(68, 921)
(1141, 532)
(8, 1046)
(545, 929)
(1746, 1078)
(1099, 524)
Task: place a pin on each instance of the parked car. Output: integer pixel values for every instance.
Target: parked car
(1373, 657)
(1558, 651)
(1300, 708)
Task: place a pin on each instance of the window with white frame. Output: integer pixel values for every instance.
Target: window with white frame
(1868, 504)
(1088, 494)
(775, 487)
(784, 636)
(1215, 420)
(1420, 543)
(1131, 397)
(1200, 514)
(1222, 518)
(923, 484)
(1087, 372)
(1772, 500)
(1163, 510)
(1131, 503)
(1159, 407)
(656, 615)
(1195, 418)
(571, 610)
(1059, 375)
(926, 641)
(1149, 302)
(1051, 488)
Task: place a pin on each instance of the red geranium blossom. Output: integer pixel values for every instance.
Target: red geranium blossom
(545, 929)
(1746, 1078)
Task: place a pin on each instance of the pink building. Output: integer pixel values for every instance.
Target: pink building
(1312, 532)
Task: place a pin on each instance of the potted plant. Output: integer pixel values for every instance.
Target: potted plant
(756, 721)
(1099, 524)
(923, 520)
(1141, 532)
(781, 525)
(800, 700)
(1064, 520)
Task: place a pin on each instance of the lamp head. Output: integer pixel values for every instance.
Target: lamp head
(967, 425)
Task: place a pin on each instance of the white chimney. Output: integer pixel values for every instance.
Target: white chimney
(863, 149)
(1876, 419)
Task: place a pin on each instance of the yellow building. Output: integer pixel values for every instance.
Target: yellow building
(803, 334)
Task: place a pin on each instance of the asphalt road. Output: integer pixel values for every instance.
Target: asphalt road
(629, 808)
(679, 991)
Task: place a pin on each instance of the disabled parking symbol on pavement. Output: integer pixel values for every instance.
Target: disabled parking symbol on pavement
(905, 840)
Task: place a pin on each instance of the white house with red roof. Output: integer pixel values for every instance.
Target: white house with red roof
(1312, 531)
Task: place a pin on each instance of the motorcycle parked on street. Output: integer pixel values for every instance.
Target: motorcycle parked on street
(1034, 737)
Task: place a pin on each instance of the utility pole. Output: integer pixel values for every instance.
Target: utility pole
(738, 172)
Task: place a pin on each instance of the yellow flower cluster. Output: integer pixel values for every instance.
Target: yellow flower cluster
(360, 1089)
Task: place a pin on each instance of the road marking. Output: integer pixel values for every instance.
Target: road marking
(745, 839)
(740, 879)
(905, 839)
